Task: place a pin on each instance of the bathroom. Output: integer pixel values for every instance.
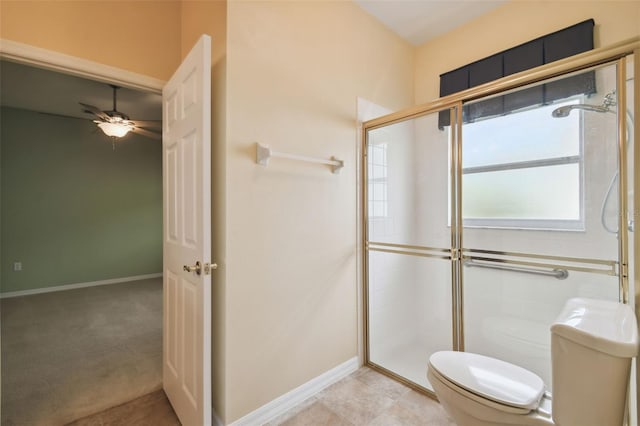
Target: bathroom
(483, 218)
(286, 293)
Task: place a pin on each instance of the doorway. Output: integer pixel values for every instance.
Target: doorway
(187, 263)
(85, 220)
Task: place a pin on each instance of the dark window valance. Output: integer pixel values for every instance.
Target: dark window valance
(561, 44)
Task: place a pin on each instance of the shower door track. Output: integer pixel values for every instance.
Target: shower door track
(410, 250)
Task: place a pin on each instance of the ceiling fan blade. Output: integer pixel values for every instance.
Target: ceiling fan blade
(147, 123)
(93, 110)
(147, 133)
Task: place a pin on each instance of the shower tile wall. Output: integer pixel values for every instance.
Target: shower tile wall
(409, 296)
(392, 277)
(508, 315)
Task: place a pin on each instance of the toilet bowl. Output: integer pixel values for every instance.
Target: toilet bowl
(592, 344)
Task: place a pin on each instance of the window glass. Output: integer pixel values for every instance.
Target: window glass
(523, 170)
(536, 193)
(521, 137)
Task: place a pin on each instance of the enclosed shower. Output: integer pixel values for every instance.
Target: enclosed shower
(483, 216)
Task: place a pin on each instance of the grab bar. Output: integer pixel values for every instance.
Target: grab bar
(560, 274)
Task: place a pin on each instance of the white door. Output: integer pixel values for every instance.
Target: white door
(186, 171)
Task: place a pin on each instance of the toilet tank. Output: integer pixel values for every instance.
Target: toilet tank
(592, 344)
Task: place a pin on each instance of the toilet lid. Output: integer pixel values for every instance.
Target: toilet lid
(490, 378)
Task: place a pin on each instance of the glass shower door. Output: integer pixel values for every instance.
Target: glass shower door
(408, 240)
(540, 206)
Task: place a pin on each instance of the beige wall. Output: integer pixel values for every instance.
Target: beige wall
(138, 36)
(514, 23)
(204, 17)
(294, 72)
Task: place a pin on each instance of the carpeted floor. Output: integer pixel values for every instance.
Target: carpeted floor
(70, 354)
(153, 409)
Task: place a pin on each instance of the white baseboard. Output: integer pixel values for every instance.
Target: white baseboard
(78, 285)
(290, 399)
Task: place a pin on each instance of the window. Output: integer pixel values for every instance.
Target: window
(523, 170)
(377, 167)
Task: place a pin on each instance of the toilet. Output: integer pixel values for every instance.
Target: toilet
(592, 344)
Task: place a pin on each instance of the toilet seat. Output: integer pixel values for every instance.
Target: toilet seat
(489, 381)
(433, 375)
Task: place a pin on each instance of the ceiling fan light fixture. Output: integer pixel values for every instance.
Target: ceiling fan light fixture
(116, 130)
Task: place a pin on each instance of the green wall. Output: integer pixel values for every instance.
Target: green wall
(72, 209)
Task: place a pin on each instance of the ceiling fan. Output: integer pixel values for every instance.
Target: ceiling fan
(116, 124)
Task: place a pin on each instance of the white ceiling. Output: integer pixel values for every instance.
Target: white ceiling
(418, 21)
(35, 89)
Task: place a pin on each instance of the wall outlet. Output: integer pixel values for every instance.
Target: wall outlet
(17, 266)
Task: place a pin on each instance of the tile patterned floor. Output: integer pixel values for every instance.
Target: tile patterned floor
(369, 398)
(365, 398)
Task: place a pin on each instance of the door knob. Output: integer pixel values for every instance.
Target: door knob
(197, 268)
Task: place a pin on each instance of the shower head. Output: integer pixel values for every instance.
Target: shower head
(608, 101)
(564, 111)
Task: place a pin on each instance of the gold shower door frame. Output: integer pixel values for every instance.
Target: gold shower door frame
(614, 55)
